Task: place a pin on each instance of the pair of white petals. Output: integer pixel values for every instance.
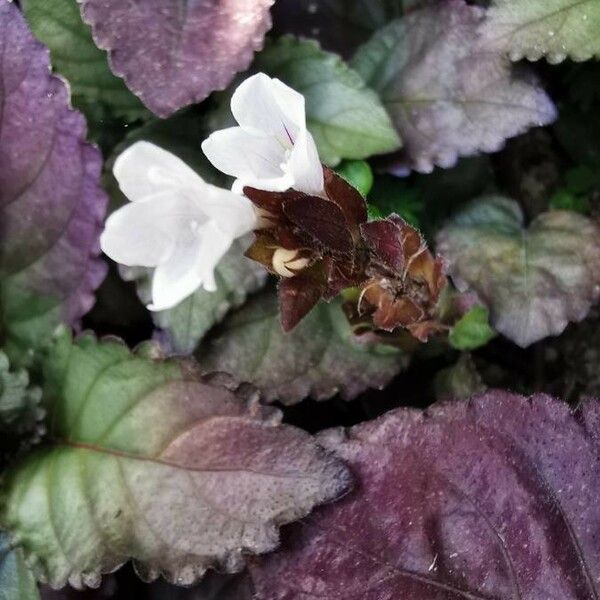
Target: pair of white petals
(182, 226)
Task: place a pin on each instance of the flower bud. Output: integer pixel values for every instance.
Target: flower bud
(287, 263)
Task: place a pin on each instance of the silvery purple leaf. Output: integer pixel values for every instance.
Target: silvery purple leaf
(51, 202)
(535, 280)
(491, 499)
(448, 95)
(174, 53)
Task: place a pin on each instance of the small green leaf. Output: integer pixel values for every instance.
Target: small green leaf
(359, 174)
(16, 580)
(556, 29)
(319, 358)
(346, 117)
(579, 185)
(461, 381)
(392, 195)
(58, 24)
(566, 200)
(583, 179)
(147, 461)
(375, 213)
(473, 330)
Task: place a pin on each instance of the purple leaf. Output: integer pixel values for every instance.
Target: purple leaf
(495, 498)
(320, 358)
(534, 280)
(447, 94)
(51, 202)
(174, 53)
(146, 461)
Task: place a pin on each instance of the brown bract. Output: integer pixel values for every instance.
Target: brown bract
(406, 280)
(321, 245)
(312, 242)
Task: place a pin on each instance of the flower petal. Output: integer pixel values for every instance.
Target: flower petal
(190, 266)
(177, 278)
(254, 158)
(305, 167)
(270, 106)
(145, 169)
(231, 212)
(143, 234)
(214, 246)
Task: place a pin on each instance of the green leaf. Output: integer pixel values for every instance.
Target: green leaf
(392, 195)
(566, 200)
(359, 174)
(186, 324)
(20, 407)
(16, 580)
(534, 280)
(579, 185)
(58, 24)
(556, 29)
(473, 330)
(345, 117)
(319, 358)
(461, 381)
(147, 461)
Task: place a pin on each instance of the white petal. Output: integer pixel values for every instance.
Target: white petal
(145, 169)
(232, 213)
(305, 167)
(190, 266)
(253, 158)
(214, 247)
(270, 106)
(178, 278)
(143, 234)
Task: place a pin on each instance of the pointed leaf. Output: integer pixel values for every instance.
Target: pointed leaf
(473, 330)
(172, 54)
(51, 203)
(556, 29)
(320, 358)
(345, 117)
(149, 462)
(535, 281)
(496, 498)
(448, 97)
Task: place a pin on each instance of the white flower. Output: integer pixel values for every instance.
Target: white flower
(272, 149)
(175, 222)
